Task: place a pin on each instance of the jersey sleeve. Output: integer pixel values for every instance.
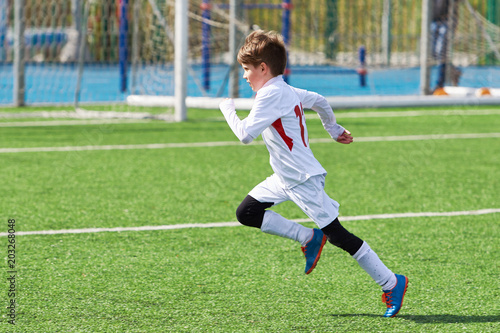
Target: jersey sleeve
(319, 104)
(228, 110)
(265, 111)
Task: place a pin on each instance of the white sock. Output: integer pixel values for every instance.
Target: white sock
(275, 224)
(371, 263)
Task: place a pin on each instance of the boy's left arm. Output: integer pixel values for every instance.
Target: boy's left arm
(345, 137)
(319, 104)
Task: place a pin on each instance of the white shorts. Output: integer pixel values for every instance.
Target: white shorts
(310, 196)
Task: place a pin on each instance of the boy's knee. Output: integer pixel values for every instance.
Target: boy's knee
(340, 237)
(251, 212)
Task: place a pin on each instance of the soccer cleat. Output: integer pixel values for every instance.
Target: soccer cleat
(394, 298)
(312, 249)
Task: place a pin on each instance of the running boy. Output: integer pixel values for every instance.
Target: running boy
(278, 115)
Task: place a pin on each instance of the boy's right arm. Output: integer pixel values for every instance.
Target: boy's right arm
(229, 111)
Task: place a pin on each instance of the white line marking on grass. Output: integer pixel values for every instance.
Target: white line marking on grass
(84, 114)
(407, 215)
(71, 122)
(418, 137)
(121, 147)
(235, 143)
(235, 224)
(117, 229)
(391, 114)
(340, 115)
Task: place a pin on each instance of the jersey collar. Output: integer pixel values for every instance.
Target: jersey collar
(273, 80)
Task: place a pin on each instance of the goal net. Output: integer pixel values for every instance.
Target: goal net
(324, 40)
(153, 48)
(464, 42)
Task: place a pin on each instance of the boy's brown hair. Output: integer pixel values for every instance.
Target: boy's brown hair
(267, 47)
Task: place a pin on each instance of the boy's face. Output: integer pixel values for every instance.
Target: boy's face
(256, 76)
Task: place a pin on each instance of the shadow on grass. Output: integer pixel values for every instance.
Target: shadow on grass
(426, 319)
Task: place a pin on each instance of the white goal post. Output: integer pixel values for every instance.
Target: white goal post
(181, 53)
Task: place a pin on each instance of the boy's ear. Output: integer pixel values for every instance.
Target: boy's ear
(263, 67)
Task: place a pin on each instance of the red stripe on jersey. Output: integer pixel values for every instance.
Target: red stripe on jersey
(278, 126)
(299, 112)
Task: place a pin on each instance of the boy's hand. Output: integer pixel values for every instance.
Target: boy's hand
(345, 137)
(226, 102)
(227, 105)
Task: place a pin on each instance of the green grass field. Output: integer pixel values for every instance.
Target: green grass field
(238, 279)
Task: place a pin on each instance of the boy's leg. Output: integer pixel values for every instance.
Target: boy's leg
(275, 224)
(393, 285)
(315, 202)
(253, 213)
(361, 251)
(312, 240)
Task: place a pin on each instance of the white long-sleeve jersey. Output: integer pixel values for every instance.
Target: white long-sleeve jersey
(278, 114)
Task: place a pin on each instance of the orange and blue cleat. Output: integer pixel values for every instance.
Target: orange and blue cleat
(312, 249)
(394, 298)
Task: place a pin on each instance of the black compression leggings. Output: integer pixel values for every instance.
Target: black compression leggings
(251, 213)
(340, 237)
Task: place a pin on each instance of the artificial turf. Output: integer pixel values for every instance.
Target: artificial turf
(237, 279)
